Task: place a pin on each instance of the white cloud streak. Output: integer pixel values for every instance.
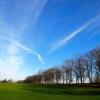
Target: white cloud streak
(24, 14)
(64, 41)
(32, 14)
(40, 58)
(23, 47)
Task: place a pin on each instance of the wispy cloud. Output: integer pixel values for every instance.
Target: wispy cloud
(30, 11)
(9, 66)
(10, 61)
(40, 58)
(26, 13)
(23, 47)
(33, 10)
(64, 41)
(13, 23)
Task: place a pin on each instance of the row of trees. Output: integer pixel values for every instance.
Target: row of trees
(6, 81)
(80, 69)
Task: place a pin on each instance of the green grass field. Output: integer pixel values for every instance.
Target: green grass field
(47, 92)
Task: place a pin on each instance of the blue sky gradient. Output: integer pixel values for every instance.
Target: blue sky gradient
(37, 34)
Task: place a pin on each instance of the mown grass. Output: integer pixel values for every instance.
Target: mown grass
(47, 92)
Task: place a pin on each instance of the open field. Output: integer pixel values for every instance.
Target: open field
(47, 92)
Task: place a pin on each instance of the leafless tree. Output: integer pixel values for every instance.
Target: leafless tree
(57, 74)
(68, 67)
(89, 64)
(49, 76)
(80, 68)
(96, 56)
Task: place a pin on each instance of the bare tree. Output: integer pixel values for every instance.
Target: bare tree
(76, 74)
(89, 64)
(49, 76)
(96, 56)
(57, 74)
(80, 69)
(63, 78)
(68, 66)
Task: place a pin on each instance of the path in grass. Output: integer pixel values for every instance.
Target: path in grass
(46, 92)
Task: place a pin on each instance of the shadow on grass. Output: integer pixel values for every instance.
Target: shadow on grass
(55, 90)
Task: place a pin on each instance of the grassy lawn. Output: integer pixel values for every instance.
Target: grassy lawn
(46, 92)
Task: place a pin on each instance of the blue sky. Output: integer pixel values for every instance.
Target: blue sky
(38, 34)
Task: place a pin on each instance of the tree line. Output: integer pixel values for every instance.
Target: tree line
(80, 69)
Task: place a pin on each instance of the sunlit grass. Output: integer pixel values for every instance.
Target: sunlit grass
(46, 92)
